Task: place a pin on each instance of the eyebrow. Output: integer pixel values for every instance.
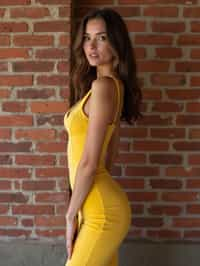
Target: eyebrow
(98, 33)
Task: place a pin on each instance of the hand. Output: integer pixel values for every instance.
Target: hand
(72, 225)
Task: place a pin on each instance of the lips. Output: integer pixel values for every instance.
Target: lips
(93, 55)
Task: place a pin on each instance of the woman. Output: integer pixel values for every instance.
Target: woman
(105, 90)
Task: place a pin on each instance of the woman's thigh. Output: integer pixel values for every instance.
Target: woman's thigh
(95, 247)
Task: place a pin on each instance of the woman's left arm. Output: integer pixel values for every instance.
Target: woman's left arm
(101, 111)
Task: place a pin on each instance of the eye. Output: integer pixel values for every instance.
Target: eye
(86, 37)
(102, 38)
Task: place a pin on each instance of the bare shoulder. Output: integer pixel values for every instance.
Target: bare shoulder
(104, 87)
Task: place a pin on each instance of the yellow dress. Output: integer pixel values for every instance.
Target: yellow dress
(105, 216)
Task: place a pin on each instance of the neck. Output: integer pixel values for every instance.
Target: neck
(106, 70)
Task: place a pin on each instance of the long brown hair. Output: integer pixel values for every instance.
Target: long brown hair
(82, 74)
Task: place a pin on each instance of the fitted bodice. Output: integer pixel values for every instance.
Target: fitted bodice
(76, 123)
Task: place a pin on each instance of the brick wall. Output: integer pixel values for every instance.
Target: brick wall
(34, 64)
(158, 159)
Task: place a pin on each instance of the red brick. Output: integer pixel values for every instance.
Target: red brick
(158, 209)
(180, 171)
(50, 197)
(4, 209)
(54, 147)
(164, 233)
(135, 26)
(8, 221)
(51, 26)
(135, 2)
(188, 66)
(29, 12)
(142, 196)
(179, 196)
(188, 40)
(195, 53)
(31, 40)
(35, 93)
(39, 185)
(129, 158)
(28, 209)
(160, 11)
(192, 234)
(63, 66)
(153, 39)
(57, 80)
(53, 120)
(150, 145)
(141, 171)
(150, 120)
(167, 107)
(27, 222)
(15, 232)
(183, 94)
(35, 159)
(188, 120)
(129, 132)
(5, 185)
(168, 133)
(194, 159)
(169, 52)
(3, 67)
(50, 172)
(64, 11)
(16, 120)
(151, 94)
(18, 147)
(186, 222)
(64, 40)
(193, 183)
(165, 159)
(13, 197)
(193, 12)
(195, 81)
(168, 79)
(4, 40)
(4, 93)
(153, 66)
(193, 209)
(32, 66)
(8, 172)
(54, 2)
(195, 26)
(148, 222)
(16, 80)
(36, 134)
(14, 2)
(52, 233)
(46, 107)
(52, 53)
(131, 183)
(165, 184)
(5, 133)
(13, 27)
(50, 221)
(194, 133)
(174, 27)
(2, 12)
(14, 107)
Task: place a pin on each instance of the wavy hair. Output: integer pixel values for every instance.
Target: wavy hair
(82, 74)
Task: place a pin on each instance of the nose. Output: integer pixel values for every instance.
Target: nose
(92, 44)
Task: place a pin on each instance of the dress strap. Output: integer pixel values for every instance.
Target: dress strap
(118, 98)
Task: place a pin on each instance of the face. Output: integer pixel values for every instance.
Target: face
(96, 46)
